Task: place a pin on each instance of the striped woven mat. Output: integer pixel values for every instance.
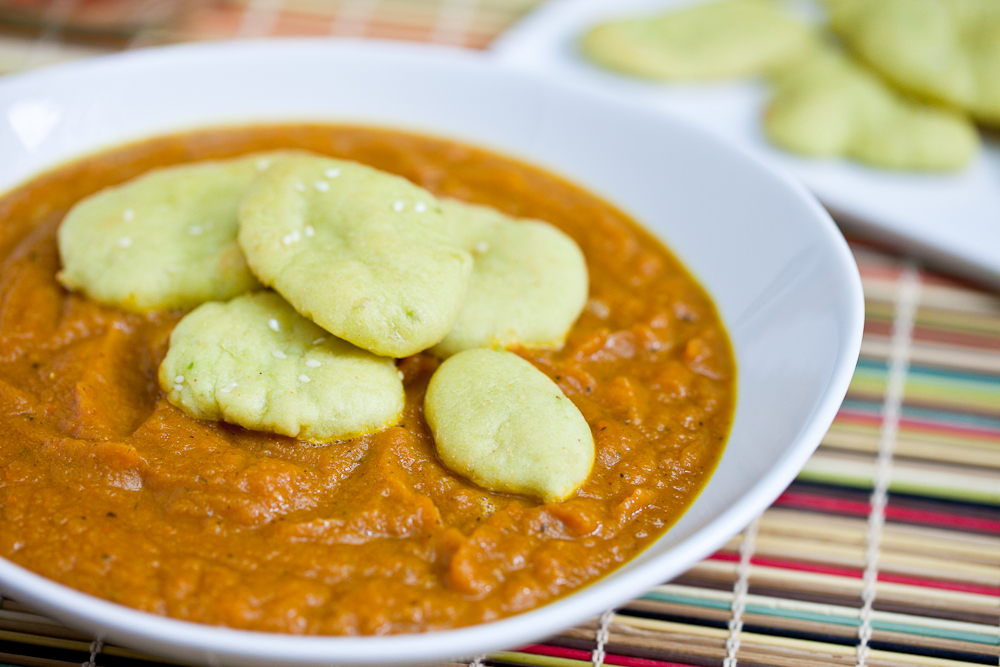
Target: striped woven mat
(884, 552)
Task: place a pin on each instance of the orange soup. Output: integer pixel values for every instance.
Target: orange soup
(107, 487)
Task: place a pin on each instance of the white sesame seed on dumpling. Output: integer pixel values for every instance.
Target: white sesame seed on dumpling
(163, 240)
(255, 362)
(367, 256)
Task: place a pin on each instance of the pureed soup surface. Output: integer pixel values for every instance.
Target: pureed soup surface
(108, 488)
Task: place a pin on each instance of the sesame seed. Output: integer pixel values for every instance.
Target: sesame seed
(482, 247)
(273, 324)
(312, 363)
(263, 164)
(309, 231)
(287, 239)
(400, 374)
(301, 187)
(332, 172)
(398, 205)
(278, 354)
(319, 340)
(124, 241)
(420, 207)
(321, 186)
(226, 390)
(128, 215)
(195, 230)
(178, 387)
(179, 379)
(296, 236)
(303, 378)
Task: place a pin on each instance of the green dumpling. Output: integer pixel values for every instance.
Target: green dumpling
(362, 253)
(528, 283)
(942, 50)
(502, 423)
(830, 106)
(257, 363)
(729, 38)
(166, 239)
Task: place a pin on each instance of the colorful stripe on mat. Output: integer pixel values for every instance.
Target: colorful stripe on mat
(829, 575)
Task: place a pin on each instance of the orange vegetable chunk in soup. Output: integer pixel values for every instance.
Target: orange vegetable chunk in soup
(107, 487)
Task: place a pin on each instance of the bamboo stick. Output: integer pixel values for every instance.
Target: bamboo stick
(816, 628)
(972, 452)
(907, 477)
(538, 660)
(936, 354)
(721, 601)
(929, 642)
(65, 644)
(783, 658)
(896, 537)
(32, 661)
(960, 396)
(42, 629)
(947, 430)
(890, 561)
(801, 582)
(945, 299)
(752, 642)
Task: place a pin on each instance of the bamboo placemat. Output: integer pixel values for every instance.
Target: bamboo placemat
(884, 552)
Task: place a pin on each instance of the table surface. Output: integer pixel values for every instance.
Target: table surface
(886, 549)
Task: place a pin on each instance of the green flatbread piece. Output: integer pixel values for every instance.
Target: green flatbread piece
(730, 38)
(830, 106)
(364, 254)
(166, 239)
(942, 50)
(502, 423)
(257, 363)
(528, 285)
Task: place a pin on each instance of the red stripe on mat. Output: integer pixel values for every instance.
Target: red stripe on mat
(941, 519)
(822, 503)
(609, 659)
(928, 583)
(857, 574)
(909, 515)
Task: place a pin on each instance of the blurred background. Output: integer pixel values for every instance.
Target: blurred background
(40, 32)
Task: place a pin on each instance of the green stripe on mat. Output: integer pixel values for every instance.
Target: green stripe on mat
(963, 390)
(537, 660)
(832, 619)
(938, 416)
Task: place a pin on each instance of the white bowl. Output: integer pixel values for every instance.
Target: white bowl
(778, 269)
